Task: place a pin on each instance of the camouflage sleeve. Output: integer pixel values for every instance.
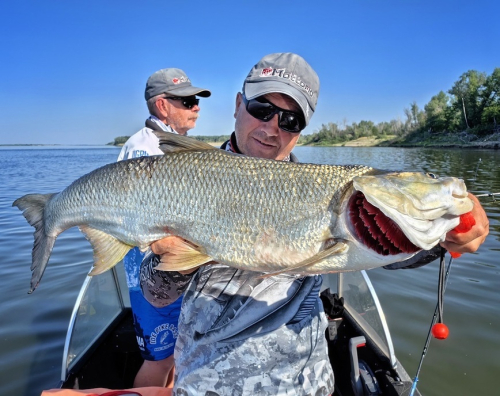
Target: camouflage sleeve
(161, 288)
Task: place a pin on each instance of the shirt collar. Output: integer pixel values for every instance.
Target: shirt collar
(161, 124)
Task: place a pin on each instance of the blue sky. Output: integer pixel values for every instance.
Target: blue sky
(74, 72)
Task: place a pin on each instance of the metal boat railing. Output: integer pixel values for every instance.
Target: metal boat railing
(102, 299)
(363, 306)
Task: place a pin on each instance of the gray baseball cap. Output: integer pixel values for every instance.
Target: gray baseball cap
(173, 82)
(285, 73)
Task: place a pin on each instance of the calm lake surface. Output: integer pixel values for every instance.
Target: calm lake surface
(33, 327)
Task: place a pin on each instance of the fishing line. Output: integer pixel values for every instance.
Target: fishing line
(441, 287)
(477, 167)
(492, 195)
(438, 312)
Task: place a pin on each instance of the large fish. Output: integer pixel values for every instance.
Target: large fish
(256, 214)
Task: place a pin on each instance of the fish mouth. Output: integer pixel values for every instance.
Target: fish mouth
(375, 230)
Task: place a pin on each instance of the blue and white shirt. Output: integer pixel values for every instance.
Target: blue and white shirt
(144, 143)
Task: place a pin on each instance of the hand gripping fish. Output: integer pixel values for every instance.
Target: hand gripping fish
(255, 214)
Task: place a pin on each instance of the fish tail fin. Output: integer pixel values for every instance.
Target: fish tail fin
(33, 208)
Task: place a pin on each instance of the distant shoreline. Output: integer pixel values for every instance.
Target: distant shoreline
(488, 142)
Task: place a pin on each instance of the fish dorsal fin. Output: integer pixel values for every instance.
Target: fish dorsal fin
(171, 142)
(334, 247)
(182, 255)
(107, 249)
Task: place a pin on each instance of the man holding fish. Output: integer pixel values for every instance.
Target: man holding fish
(239, 332)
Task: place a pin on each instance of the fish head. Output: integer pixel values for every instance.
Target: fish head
(424, 207)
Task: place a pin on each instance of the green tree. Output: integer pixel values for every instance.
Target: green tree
(366, 128)
(436, 112)
(120, 140)
(490, 99)
(467, 93)
(415, 118)
(396, 127)
(383, 128)
(491, 116)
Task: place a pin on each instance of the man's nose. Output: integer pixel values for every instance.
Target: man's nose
(271, 127)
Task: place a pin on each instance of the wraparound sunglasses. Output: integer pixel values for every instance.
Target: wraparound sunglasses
(187, 101)
(264, 110)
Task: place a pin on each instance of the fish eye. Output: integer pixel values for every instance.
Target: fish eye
(432, 175)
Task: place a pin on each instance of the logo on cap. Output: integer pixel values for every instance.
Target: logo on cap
(180, 80)
(268, 71)
(281, 73)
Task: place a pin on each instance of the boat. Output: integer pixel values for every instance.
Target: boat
(101, 349)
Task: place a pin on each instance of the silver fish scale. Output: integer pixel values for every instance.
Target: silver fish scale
(243, 211)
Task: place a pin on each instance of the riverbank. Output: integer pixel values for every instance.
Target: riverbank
(361, 142)
(444, 140)
(463, 140)
(368, 142)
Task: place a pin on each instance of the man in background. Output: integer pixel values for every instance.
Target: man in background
(173, 107)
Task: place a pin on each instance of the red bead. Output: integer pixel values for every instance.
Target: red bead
(440, 331)
(467, 221)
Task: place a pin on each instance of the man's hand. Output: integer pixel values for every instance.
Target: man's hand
(469, 242)
(164, 245)
(167, 245)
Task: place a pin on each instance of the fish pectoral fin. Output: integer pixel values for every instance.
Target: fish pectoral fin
(334, 247)
(107, 249)
(181, 255)
(171, 142)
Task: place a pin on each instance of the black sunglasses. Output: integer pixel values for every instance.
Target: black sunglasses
(262, 109)
(187, 101)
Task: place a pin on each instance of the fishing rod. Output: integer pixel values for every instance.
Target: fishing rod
(488, 195)
(438, 330)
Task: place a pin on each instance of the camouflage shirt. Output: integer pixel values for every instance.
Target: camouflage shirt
(240, 334)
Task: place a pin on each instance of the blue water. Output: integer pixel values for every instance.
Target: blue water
(34, 326)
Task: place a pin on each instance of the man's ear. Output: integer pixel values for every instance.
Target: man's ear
(239, 100)
(161, 106)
